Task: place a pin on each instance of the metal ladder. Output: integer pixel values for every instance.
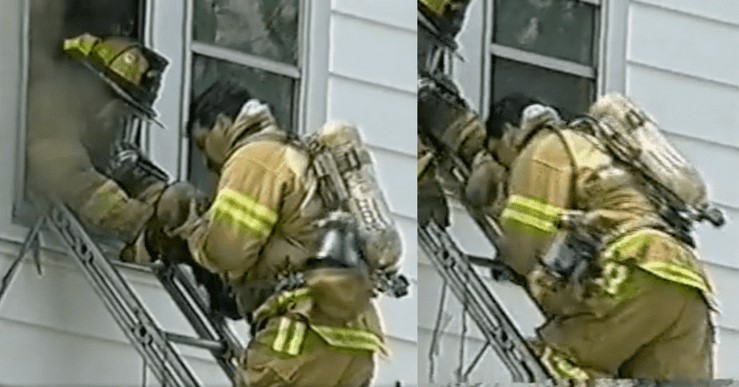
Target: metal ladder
(153, 343)
(469, 288)
(457, 270)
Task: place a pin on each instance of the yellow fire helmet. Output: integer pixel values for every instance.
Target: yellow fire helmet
(438, 7)
(133, 71)
(443, 19)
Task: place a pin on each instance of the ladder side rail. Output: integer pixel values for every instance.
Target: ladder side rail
(475, 308)
(220, 327)
(123, 304)
(203, 327)
(491, 318)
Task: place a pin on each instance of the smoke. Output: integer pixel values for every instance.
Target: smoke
(60, 96)
(46, 32)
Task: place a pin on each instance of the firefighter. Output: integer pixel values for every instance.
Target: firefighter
(260, 228)
(642, 307)
(651, 299)
(439, 23)
(82, 149)
(80, 124)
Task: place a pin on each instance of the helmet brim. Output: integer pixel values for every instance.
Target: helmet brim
(148, 113)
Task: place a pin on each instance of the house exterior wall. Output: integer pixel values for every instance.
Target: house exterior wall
(674, 58)
(371, 82)
(55, 330)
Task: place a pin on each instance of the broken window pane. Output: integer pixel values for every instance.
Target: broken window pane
(563, 29)
(266, 28)
(554, 88)
(275, 90)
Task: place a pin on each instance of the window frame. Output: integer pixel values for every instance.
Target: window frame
(23, 212)
(592, 73)
(607, 72)
(310, 73)
(310, 101)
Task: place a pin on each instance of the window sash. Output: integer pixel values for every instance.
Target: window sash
(547, 62)
(209, 50)
(493, 50)
(244, 59)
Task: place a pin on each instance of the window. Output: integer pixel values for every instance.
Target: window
(546, 49)
(48, 23)
(255, 42)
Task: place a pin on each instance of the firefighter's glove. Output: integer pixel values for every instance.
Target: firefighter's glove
(221, 296)
(432, 204)
(503, 273)
(177, 213)
(134, 172)
(485, 178)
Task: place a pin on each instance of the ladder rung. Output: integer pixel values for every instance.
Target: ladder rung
(494, 323)
(121, 301)
(140, 267)
(195, 342)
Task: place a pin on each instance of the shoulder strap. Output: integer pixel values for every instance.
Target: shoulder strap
(559, 132)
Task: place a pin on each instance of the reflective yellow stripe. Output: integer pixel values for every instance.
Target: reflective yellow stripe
(290, 336)
(283, 332)
(292, 296)
(106, 198)
(350, 338)
(561, 367)
(627, 242)
(293, 347)
(283, 300)
(666, 270)
(509, 214)
(265, 213)
(677, 274)
(614, 274)
(244, 211)
(531, 212)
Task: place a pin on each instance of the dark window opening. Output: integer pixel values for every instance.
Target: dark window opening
(267, 29)
(48, 116)
(555, 88)
(560, 29)
(563, 29)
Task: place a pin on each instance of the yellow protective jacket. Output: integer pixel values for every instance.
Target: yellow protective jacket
(260, 226)
(606, 323)
(565, 170)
